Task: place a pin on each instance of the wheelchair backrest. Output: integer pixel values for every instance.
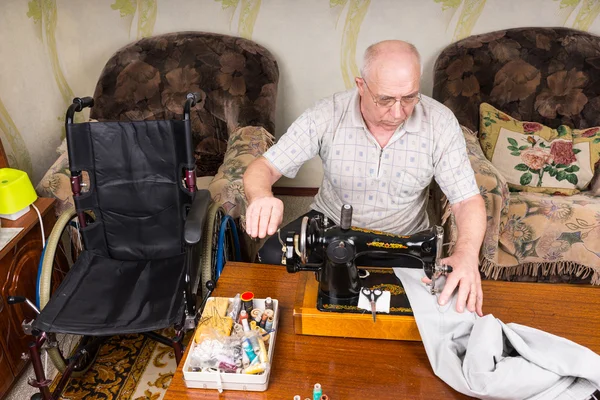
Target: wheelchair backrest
(136, 192)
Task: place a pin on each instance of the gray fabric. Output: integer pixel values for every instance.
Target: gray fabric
(485, 358)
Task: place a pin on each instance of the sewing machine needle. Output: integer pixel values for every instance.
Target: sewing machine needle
(373, 307)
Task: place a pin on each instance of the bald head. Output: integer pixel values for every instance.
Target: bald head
(391, 72)
(391, 56)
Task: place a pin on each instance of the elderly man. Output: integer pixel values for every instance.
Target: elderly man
(380, 144)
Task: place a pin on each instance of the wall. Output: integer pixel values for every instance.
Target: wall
(53, 50)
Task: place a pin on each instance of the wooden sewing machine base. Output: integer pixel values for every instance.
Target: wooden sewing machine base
(308, 320)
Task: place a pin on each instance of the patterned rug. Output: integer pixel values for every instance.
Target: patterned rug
(128, 367)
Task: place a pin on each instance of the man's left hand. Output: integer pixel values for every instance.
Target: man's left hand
(465, 275)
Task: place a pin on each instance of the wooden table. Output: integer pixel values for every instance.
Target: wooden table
(381, 369)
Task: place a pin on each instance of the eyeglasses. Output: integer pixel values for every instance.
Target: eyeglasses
(387, 102)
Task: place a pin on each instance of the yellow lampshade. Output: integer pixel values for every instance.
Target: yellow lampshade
(16, 191)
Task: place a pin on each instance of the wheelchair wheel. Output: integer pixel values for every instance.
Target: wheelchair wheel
(210, 243)
(64, 243)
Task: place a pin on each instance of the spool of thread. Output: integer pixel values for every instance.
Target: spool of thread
(317, 392)
(346, 217)
(253, 325)
(253, 339)
(245, 325)
(243, 315)
(268, 303)
(238, 352)
(227, 367)
(237, 328)
(256, 314)
(270, 313)
(263, 320)
(297, 397)
(245, 359)
(324, 397)
(248, 302)
(269, 324)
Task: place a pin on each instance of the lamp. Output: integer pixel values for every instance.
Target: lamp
(16, 193)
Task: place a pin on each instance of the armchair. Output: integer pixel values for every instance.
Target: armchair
(544, 75)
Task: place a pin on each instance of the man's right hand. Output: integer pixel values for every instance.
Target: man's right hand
(263, 216)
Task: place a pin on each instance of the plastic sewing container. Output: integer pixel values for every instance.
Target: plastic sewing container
(232, 381)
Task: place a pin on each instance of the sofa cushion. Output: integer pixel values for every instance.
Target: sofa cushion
(535, 158)
(549, 236)
(244, 145)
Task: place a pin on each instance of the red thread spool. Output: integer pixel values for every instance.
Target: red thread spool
(247, 302)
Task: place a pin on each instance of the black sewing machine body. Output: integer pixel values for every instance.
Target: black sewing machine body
(339, 248)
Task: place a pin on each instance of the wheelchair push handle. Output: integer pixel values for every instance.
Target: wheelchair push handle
(191, 101)
(83, 102)
(79, 103)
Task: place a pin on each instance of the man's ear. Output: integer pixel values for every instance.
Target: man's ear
(359, 84)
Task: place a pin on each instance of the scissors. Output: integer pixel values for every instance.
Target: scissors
(372, 295)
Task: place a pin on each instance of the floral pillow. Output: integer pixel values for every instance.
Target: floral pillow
(535, 158)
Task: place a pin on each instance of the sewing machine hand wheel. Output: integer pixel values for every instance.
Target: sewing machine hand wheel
(433, 272)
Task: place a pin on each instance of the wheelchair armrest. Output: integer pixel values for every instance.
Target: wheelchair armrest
(195, 219)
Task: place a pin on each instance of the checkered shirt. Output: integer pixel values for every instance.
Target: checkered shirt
(387, 187)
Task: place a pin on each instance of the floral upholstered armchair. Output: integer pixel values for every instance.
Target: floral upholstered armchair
(232, 124)
(535, 82)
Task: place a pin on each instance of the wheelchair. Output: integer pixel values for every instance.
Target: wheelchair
(141, 252)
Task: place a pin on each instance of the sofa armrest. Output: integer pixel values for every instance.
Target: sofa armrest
(244, 145)
(487, 176)
(495, 193)
(56, 182)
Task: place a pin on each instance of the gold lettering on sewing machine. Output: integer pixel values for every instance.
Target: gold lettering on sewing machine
(387, 245)
(354, 228)
(395, 290)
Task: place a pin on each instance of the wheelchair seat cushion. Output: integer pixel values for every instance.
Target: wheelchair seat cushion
(101, 296)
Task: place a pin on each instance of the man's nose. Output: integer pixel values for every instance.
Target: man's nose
(397, 111)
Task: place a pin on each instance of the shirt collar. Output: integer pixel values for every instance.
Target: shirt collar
(412, 124)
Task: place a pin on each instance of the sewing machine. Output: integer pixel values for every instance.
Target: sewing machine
(337, 250)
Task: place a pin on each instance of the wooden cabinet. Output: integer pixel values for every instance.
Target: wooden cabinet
(6, 375)
(18, 277)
